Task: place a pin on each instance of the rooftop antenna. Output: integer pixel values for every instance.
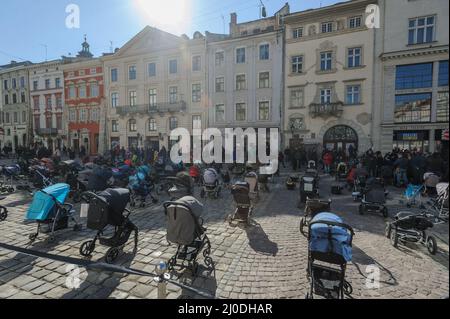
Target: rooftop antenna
(111, 48)
(262, 11)
(45, 46)
(223, 21)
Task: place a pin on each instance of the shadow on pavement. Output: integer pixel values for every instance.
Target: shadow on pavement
(259, 241)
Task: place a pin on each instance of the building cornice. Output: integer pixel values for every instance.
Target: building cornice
(431, 50)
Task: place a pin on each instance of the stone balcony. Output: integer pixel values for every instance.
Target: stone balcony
(47, 131)
(160, 108)
(326, 110)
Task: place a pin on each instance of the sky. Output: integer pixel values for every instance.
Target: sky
(36, 30)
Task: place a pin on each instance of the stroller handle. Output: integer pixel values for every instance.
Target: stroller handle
(87, 196)
(330, 223)
(198, 220)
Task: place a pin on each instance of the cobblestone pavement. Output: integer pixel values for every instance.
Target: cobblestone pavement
(267, 260)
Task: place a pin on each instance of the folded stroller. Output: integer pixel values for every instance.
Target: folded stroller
(3, 211)
(211, 185)
(108, 208)
(185, 229)
(411, 227)
(329, 251)
(313, 207)
(244, 207)
(49, 208)
(374, 199)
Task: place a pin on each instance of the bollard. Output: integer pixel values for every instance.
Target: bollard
(161, 270)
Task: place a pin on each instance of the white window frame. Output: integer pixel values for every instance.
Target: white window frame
(424, 27)
(351, 89)
(297, 33)
(327, 26)
(261, 45)
(198, 93)
(114, 99)
(215, 113)
(356, 21)
(152, 97)
(351, 53)
(326, 95)
(132, 99)
(259, 111)
(245, 82)
(236, 113)
(268, 80)
(173, 94)
(245, 55)
(297, 66)
(326, 56)
(222, 60)
(200, 63)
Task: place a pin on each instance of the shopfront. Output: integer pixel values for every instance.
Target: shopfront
(412, 140)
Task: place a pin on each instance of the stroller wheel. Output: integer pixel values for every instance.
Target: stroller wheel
(208, 261)
(348, 289)
(111, 255)
(387, 230)
(3, 213)
(87, 248)
(50, 239)
(394, 238)
(32, 237)
(431, 245)
(302, 226)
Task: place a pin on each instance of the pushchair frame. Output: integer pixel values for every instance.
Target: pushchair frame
(368, 205)
(244, 209)
(313, 207)
(3, 211)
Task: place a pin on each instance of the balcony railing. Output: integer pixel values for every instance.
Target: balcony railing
(47, 131)
(151, 109)
(326, 110)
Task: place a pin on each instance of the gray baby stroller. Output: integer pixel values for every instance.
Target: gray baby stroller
(180, 186)
(374, 199)
(185, 229)
(211, 185)
(244, 207)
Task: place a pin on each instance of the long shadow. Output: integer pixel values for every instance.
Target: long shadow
(259, 241)
(204, 280)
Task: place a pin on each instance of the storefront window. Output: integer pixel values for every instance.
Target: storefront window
(412, 108)
(414, 76)
(412, 140)
(442, 107)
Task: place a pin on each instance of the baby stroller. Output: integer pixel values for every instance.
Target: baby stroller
(430, 181)
(98, 179)
(179, 186)
(374, 199)
(41, 176)
(313, 207)
(410, 227)
(244, 207)
(440, 203)
(239, 170)
(108, 208)
(360, 184)
(413, 196)
(185, 229)
(121, 175)
(329, 251)
(341, 171)
(252, 180)
(9, 173)
(3, 211)
(49, 208)
(312, 169)
(70, 169)
(291, 184)
(211, 186)
(140, 190)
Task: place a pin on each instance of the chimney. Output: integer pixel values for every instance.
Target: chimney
(233, 23)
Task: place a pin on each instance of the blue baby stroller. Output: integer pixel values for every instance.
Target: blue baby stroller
(413, 196)
(140, 189)
(49, 208)
(329, 251)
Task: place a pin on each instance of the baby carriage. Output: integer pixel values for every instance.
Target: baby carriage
(3, 211)
(291, 184)
(9, 173)
(98, 179)
(179, 186)
(410, 227)
(41, 176)
(374, 199)
(413, 196)
(312, 168)
(341, 171)
(185, 229)
(121, 175)
(70, 169)
(244, 207)
(140, 189)
(108, 208)
(313, 207)
(440, 203)
(49, 208)
(430, 181)
(252, 179)
(329, 251)
(211, 185)
(359, 184)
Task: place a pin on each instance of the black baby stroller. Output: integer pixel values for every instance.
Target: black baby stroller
(70, 169)
(410, 227)
(374, 199)
(329, 251)
(185, 229)
(244, 207)
(3, 211)
(313, 207)
(9, 173)
(359, 183)
(99, 179)
(108, 208)
(179, 186)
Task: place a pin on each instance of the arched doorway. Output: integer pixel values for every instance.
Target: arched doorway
(340, 137)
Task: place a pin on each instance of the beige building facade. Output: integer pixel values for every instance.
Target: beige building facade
(329, 61)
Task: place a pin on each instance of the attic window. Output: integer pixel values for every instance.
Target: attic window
(244, 33)
(270, 28)
(257, 30)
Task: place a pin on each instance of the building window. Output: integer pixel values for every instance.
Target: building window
(325, 96)
(37, 123)
(48, 122)
(114, 99)
(173, 66)
(240, 82)
(353, 95)
(442, 107)
(132, 126)
(240, 55)
(93, 71)
(59, 122)
(16, 118)
(59, 101)
(47, 83)
(24, 116)
(354, 57)
(241, 112)
(72, 92)
(173, 94)
(327, 27)
(35, 85)
(196, 63)
(95, 115)
(133, 98)
(114, 126)
(22, 82)
(83, 115)
(114, 75)
(297, 33)
(414, 76)
(220, 113)
(5, 84)
(36, 103)
(152, 125)
(196, 122)
(196, 93)
(264, 53)
(264, 80)
(412, 108)
(22, 97)
(82, 91)
(6, 99)
(220, 58)
(296, 97)
(263, 111)
(354, 22)
(297, 64)
(94, 91)
(14, 98)
(48, 102)
(421, 30)
(220, 84)
(152, 97)
(7, 117)
(326, 61)
(173, 123)
(152, 69)
(72, 115)
(443, 73)
(57, 83)
(14, 83)
(132, 72)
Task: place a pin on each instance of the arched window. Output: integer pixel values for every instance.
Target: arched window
(341, 133)
(132, 127)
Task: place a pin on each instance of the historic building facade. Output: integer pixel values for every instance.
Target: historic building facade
(411, 79)
(155, 83)
(15, 95)
(329, 77)
(46, 82)
(245, 74)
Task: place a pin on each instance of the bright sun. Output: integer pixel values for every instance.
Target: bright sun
(170, 15)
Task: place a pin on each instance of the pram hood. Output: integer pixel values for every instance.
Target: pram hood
(117, 199)
(341, 239)
(431, 179)
(43, 203)
(376, 195)
(12, 169)
(210, 176)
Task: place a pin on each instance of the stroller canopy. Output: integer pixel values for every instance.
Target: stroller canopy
(442, 189)
(117, 200)
(182, 225)
(210, 176)
(43, 201)
(340, 243)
